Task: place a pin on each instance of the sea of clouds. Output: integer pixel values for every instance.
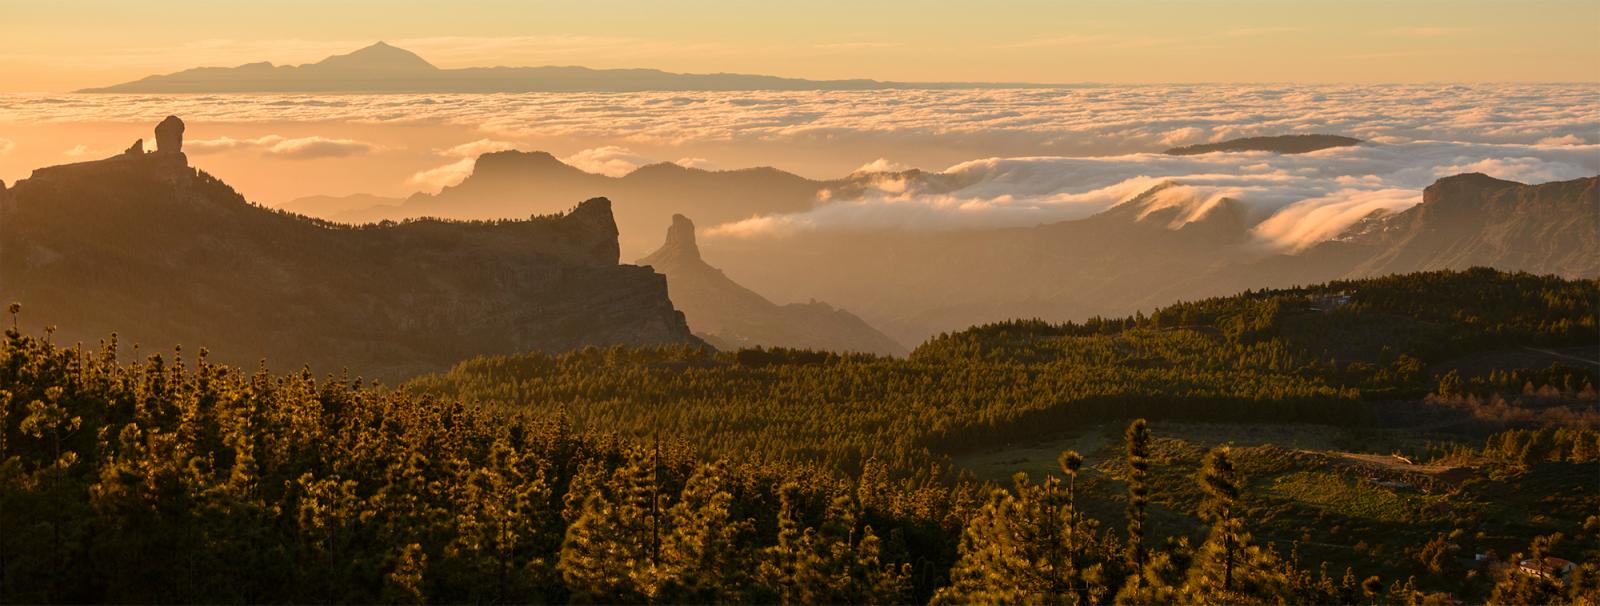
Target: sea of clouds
(1064, 121)
(1065, 153)
(1299, 199)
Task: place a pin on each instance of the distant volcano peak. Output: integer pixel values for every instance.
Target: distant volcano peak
(379, 56)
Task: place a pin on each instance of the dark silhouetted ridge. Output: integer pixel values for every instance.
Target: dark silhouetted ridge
(145, 246)
(1283, 144)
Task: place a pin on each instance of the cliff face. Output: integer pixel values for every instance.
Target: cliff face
(145, 246)
(731, 316)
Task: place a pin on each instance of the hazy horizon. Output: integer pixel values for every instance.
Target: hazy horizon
(1044, 42)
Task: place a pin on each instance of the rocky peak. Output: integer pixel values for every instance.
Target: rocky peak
(593, 226)
(680, 247)
(512, 163)
(168, 162)
(169, 136)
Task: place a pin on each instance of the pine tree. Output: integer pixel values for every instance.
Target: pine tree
(836, 563)
(1028, 545)
(1070, 463)
(705, 558)
(403, 583)
(1138, 450)
(501, 518)
(1228, 568)
(606, 556)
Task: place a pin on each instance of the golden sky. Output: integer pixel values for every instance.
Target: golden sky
(68, 44)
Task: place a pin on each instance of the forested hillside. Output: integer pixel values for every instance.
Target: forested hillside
(1315, 354)
(673, 475)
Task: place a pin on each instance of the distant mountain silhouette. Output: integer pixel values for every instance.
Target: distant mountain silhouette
(382, 68)
(144, 245)
(1151, 251)
(511, 184)
(730, 316)
(1283, 144)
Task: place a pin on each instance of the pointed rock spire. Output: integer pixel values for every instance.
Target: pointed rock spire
(680, 237)
(680, 247)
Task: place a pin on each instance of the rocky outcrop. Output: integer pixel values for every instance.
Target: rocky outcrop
(680, 246)
(731, 316)
(163, 254)
(169, 136)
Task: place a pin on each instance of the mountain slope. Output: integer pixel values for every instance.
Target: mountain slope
(165, 254)
(385, 68)
(731, 316)
(1474, 219)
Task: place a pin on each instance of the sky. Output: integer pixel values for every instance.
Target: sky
(69, 44)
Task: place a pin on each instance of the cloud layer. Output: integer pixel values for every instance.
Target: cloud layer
(1299, 199)
(1069, 121)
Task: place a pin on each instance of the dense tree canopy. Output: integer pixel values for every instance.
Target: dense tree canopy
(679, 475)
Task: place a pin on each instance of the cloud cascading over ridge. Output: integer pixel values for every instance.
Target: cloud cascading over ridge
(437, 178)
(1299, 199)
(473, 149)
(610, 160)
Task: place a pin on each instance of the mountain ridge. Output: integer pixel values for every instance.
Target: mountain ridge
(400, 71)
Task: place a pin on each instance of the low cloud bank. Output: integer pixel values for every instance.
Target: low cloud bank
(302, 148)
(1300, 200)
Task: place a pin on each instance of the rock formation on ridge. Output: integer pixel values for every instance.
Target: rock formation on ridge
(163, 254)
(731, 316)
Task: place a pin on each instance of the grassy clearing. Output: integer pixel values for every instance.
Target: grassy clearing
(1039, 458)
(1350, 497)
